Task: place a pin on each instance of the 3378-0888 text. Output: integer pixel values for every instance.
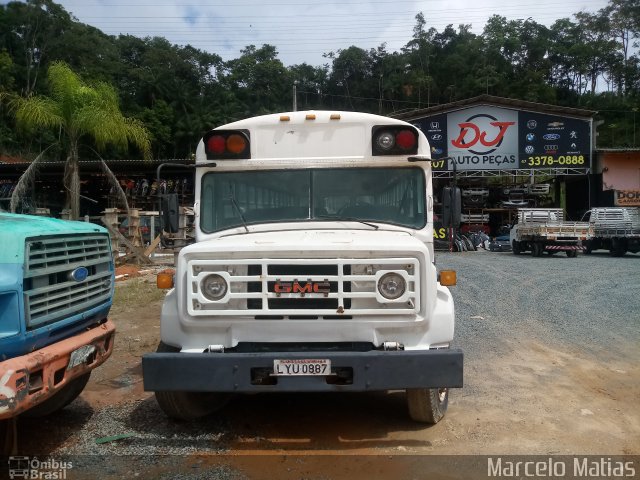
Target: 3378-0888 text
(550, 160)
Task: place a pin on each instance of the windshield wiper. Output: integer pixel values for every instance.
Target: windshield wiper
(237, 207)
(346, 219)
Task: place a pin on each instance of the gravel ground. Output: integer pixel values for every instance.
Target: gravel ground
(585, 310)
(590, 302)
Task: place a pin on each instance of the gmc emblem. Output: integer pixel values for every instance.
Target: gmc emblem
(302, 288)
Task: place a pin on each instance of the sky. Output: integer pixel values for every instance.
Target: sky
(302, 31)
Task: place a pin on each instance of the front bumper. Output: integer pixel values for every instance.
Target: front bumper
(30, 379)
(371, 371)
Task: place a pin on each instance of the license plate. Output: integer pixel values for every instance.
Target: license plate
(80, 356)
(301, 366)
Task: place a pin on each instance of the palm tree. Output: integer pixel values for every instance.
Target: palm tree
(79, 110)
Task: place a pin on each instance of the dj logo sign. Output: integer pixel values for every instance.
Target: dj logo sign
(471, 134)
(483, 138)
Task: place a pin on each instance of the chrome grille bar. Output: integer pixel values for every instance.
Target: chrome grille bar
(354, 292)
(50, 293)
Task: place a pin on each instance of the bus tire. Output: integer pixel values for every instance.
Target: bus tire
(427, 405)
(188, 406)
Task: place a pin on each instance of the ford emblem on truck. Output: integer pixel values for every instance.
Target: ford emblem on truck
(80, 274)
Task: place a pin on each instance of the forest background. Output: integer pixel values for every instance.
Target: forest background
(590, 61)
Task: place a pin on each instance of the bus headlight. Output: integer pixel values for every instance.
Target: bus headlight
(214, 287)
(392, 285)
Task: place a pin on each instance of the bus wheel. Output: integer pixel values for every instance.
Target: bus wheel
(427, 405)
(187, 406)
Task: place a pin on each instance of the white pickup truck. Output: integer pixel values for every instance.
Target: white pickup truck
(544, 229)
(615, 229)
(313, 269)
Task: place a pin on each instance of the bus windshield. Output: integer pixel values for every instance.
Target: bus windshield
(386, 195)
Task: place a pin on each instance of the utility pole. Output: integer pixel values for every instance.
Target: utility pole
(295, 97)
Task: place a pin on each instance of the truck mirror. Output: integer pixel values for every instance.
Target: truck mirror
(170, 210)
(451, 206)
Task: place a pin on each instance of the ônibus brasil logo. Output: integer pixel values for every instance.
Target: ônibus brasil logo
(471, 134)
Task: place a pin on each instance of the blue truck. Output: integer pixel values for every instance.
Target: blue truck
(56, 289)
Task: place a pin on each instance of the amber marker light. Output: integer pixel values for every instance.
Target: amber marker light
(310, 116)
(448, 278)
(164, 280)
(236, 144)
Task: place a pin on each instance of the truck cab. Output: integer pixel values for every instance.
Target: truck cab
(56, 289)
(616, 229)
(313, 268)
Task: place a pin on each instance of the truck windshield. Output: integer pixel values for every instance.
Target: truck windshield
(385, 195)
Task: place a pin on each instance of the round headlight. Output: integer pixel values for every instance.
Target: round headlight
(392, 285)
(214, 287)
(386, 141)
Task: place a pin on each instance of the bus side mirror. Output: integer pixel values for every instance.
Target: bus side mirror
(451, 206)
(170, 212)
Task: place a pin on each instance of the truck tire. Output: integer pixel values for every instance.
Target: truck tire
(515, 247)
(588, 247)
(536, 249)
(427, 405)
(572, 253)
(618, 247)
(60, 399)
(188, 406)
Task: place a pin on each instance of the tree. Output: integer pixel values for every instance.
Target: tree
(79, 110)
(260, 81)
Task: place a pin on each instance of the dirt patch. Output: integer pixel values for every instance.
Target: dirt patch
(523, 394)
(558, 401)
(136, 313)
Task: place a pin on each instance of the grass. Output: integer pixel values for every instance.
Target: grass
(135, 293)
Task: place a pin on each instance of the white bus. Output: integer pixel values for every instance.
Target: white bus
(313, 268)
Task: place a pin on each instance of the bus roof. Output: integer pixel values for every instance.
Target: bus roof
(316, 136)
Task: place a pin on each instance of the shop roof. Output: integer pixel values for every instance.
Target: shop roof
(499, 102)
(91, 164)
(618, 150)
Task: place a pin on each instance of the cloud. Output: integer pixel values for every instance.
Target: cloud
(302, 31)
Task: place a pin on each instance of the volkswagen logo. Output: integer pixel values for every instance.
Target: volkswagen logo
(80, 274)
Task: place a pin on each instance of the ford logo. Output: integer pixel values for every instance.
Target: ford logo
(551, 136)
(80, 274)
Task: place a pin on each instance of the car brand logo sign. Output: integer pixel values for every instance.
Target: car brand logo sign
(437, 136)
(301, 288)
(529, 149)
(530, 137)
(551, 136)
(80, 274)
(532, 124)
